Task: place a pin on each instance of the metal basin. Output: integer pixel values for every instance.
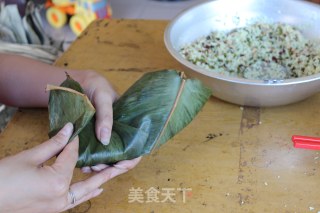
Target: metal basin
(227, 15)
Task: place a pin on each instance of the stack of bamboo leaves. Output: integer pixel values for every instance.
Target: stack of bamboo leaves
(25, 36)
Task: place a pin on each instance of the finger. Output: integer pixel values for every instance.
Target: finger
(50, 148)
(127, 164)
(96, 168)
(86, 169)
(88, 196)
(67, 159)
(82, 188)
(103, 103)
(99, 167)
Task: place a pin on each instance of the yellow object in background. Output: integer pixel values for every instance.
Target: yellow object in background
(56, 17)
(80, 13)
(78, 23)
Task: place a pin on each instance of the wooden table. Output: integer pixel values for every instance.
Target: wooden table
(229, 159)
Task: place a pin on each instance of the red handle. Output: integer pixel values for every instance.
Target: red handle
(306, 142)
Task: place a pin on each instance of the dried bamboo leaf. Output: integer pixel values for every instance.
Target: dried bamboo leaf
(6, 34)
(45, 54)
(30, 32)
(10, 17)
(147, 115)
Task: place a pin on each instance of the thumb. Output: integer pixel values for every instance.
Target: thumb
(50, 148)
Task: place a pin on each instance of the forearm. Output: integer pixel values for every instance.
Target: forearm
(23, 81)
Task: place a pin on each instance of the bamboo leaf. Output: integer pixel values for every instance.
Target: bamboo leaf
(67, 103)
(147, 115)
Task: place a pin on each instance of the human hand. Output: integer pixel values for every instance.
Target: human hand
(28, 185)
(102, 96)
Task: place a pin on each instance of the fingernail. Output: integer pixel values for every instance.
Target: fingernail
(67, 130)
(99, 167)
(119, 166)
(86, 170)
(96, 168)
(105, 135)
(97, 192)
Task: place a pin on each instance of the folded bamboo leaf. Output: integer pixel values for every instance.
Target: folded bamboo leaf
(67, 103)
(147, 115)
(10, 17)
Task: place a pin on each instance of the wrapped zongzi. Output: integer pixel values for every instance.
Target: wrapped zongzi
(148, 114)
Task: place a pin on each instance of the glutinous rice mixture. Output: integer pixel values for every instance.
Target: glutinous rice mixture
(259, 51)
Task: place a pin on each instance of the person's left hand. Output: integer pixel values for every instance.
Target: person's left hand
(102, 95)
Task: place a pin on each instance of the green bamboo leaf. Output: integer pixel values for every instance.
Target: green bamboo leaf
(147, 115)
(67, 103)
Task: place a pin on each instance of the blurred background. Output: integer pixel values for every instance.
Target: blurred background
(137, 9)
(59, 24)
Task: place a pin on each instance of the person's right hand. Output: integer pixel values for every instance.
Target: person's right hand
(28, 185)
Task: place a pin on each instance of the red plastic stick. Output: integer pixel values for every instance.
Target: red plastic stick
(306, 142)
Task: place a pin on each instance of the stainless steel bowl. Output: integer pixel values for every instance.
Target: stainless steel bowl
(227, 15)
